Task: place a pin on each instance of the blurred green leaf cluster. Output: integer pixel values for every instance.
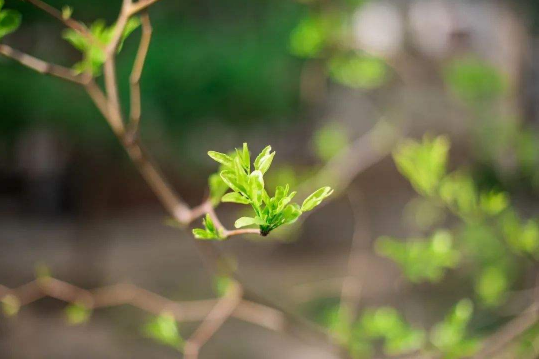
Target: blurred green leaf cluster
(490, 236)
(450, 336)
(330, 140)
(94, 55)
(422, 259)
(10, 20)
(448, 339)
(473, 80)
(324, 34)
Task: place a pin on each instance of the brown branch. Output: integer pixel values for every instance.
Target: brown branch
(69, 22)
(140, 6)
(128, 294)
(351, 287)
(509, 332)
(214, 320)
(237, 232)
(137, 72)
(41, 66)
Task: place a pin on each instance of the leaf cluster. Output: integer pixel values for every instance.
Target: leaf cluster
(93, 49)
(247, 183)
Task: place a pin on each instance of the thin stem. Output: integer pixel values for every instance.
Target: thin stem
(140, 6)
(123, 293)
(351, 287)
(512, 330)
(137, 72)
(237, 232)
(214, 320)
(69, 22)
(41, 66)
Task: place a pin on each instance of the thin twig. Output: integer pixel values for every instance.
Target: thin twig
(137, 72)
(214, 320)
(140, 6)
(122, 294)
(69, 22)
(41, 66)
(509, 332)
(351, 287)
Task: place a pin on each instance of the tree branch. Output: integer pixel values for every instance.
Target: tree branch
(128, 294)
(75, 25)
(509, 332)
(137, 72)
(41, 66)
(214, 320)
(140, 6)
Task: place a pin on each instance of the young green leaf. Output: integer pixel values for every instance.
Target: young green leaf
(256, 186)
(229, 177)
(221, 158)
(248, 221)
(246, 158)
(291, 213)
(67, 11)
(264, 159)
(210, 231)
(234, 197)
(10, 20)
(202, 234)
(217, 188)
(316, 198)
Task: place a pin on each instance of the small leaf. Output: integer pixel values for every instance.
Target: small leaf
(230, 179)
(291, 213)
(235, 197)
(217, 188)
(10, 304)
(247, 221)
(164, 329)
(200, 233)
(316, 198)
(67, 11)
(262, 154)
(77, 313)
(246, 157)
(256, 186)
(221, 158)
(10, 20)
(208, 223)
(265, 162)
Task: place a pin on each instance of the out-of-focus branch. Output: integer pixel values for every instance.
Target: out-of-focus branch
(498, 341)
(137, 72)
(214, 320)
(362, 153)
(43, 67)
(127, 294)
(351, 287)
(69, 22)
(140, 6)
